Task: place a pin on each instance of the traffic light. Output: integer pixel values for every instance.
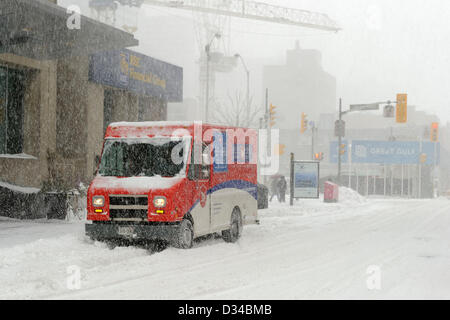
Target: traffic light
(339, 128)
(402, 108)
(423, 158)
(318, 156)
(272, 113)
(434, 132)
(279, 149)
(342, 148)
(304, 123)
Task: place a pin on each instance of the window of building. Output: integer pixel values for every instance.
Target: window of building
(12, 91)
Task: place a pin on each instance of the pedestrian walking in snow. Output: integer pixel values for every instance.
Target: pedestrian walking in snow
(282, 186)
(274, 189)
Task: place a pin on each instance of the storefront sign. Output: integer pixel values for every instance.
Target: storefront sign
(137, 73)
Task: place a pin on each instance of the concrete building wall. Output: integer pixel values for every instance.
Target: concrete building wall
(94, 126)
(39, 123)
(72, 119)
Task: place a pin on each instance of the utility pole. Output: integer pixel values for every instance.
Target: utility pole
(339, 144)
(292, 177)
(266, 122)
(435, 176)
(420, 170)
(208, 59)
(247, 71)
(313, 131)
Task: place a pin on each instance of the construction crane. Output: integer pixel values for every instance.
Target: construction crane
(235, 8)
(254, 11)
(208, 28)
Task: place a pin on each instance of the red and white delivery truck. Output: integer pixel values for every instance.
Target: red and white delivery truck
(173, 181)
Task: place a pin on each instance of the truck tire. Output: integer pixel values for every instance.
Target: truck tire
(184, 239)
(234, 233)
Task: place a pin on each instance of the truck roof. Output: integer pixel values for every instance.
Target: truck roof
(156, 128)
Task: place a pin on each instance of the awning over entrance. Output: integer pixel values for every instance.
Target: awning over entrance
(38, 29)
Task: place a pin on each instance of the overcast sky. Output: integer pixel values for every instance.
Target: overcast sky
(385, 47)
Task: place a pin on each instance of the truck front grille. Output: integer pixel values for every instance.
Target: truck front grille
(128, 200)
(128, 214)
(128, 207)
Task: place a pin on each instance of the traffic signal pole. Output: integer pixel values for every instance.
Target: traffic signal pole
(267, 123)
(339, 145)
(313, 130)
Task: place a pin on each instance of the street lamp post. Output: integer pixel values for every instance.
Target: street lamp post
(355, 107)
(339, 144)
(247, 71)
(208, 58)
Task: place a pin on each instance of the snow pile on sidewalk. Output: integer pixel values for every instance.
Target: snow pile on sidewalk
(18, 188)
(350, 196)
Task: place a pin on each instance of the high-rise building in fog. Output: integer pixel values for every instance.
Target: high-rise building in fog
(300, 85)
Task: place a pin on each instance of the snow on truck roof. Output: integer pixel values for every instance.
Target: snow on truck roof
(152, 124)
(169, 124)
(152, 128)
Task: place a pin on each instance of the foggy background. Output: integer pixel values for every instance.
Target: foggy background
(385, 47)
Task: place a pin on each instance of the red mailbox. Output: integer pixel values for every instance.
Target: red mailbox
(331, 192)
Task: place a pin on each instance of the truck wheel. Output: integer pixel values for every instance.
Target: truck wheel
(234, 233)
(184, 238)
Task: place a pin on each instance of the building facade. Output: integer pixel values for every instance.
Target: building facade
(299, 86)
(60, 87)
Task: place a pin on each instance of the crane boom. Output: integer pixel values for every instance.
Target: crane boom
(252, 10)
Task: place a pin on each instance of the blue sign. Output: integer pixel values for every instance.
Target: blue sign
(138, 73)
(387, 152)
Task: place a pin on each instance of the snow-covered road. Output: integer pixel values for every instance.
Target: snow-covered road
(314, 250)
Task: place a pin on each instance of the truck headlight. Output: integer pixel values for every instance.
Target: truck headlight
(98, 201)
(159, 202)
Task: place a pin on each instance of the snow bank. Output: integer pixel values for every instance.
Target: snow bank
(18, 188)
(350, 196)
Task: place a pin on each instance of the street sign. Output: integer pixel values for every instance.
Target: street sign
(364, 107)
(306, 179)
(387, 152)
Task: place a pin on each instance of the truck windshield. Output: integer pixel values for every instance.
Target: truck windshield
(145, 157)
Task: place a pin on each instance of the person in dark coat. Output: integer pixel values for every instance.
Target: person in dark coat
(282, 186)
(274, 189)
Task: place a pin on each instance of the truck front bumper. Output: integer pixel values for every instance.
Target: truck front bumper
(107, 230)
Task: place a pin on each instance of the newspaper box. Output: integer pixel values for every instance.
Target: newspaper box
(331, 192)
